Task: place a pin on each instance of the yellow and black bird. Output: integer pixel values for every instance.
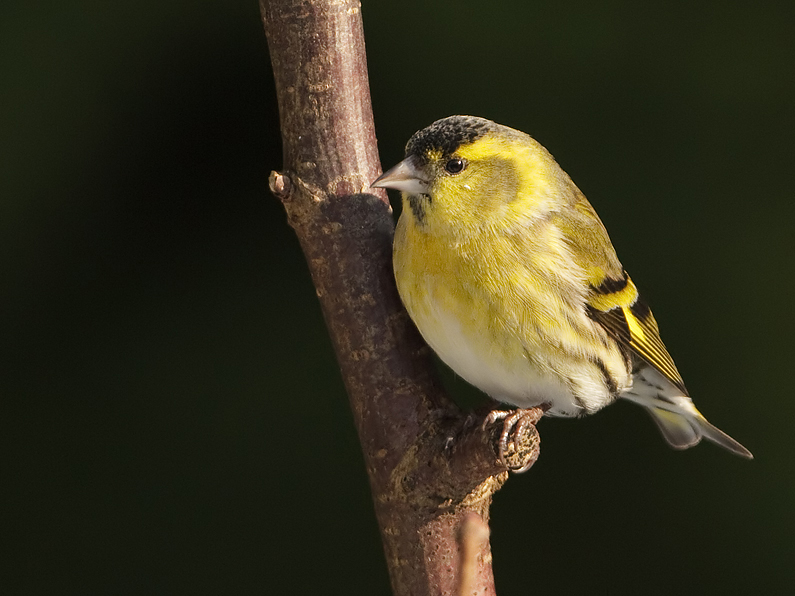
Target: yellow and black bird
(511, 278)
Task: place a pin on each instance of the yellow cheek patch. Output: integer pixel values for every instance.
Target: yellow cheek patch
(498, 155)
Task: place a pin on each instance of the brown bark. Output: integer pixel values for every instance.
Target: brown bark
(431, 467)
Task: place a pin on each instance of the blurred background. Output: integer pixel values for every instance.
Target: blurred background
(172, 419)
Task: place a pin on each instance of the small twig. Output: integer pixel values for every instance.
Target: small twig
(280, 185)
(473, 534)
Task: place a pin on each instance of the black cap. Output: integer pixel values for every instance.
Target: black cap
(448, 134)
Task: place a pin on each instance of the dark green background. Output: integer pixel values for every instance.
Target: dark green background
(173, 420)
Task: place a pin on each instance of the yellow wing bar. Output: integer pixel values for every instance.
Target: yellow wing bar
(616, 305)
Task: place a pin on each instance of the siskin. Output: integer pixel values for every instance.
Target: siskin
(511, 278)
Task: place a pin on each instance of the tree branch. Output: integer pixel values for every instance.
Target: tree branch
(431, 467)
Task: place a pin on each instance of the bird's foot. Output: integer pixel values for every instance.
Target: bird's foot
(519, 444)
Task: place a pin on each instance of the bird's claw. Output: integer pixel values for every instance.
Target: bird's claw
(518, 446)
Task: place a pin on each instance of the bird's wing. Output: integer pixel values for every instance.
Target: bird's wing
(612, 299)
(615, 304)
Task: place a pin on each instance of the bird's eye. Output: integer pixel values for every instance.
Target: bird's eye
(455, 165)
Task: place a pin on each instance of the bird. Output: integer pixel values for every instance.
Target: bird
(511, 278)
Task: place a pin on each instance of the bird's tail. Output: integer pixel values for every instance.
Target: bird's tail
(679, 421)
(683, 430)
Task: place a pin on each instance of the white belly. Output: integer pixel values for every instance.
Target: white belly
(505, 373)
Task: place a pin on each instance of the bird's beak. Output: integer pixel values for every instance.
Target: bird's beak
(406, 176)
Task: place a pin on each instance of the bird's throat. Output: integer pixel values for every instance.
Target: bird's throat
(419, 203)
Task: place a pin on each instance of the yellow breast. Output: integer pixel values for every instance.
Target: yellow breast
(475, 314)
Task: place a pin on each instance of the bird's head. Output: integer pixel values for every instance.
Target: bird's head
(463, 173)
